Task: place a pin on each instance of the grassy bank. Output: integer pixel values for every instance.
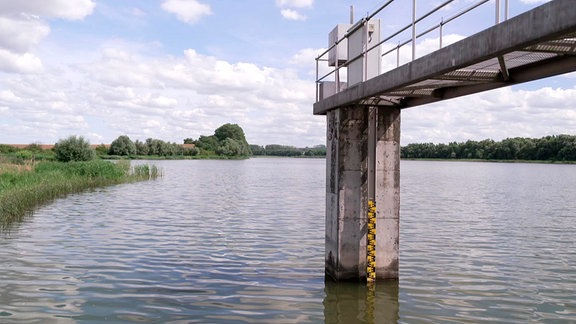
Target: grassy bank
(23, 187)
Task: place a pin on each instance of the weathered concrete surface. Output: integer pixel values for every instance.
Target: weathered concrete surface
(387, 192)
(345, 190)
(347, 193)
(548, 21)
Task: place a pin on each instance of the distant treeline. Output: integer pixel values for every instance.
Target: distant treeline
(283, 150)
(549, 148)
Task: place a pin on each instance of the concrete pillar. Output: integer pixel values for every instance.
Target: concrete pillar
(347, 192)
(346, 186)
(387, 192)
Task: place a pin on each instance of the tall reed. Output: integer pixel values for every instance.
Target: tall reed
(22, 191)
(147, 172)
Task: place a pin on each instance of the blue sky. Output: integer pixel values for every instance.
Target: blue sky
(174, 69)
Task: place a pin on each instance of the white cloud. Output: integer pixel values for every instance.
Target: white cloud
(292, 14)
(66, 9)
(8, 97)
(143, 84)
(20, 34)
(22, 29)
(123, 91)
(295, 3)
(18, 37)
(189, 11)
(496, 114)
(19, 63)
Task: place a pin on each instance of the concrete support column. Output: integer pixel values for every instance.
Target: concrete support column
(346, 186)
(387, 192)
(347, 183)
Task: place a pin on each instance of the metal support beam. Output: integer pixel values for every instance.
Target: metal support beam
(503, 68)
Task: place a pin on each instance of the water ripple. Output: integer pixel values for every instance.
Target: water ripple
(243, 242)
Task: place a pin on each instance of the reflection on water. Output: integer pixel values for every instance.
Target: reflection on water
(360, 303)
(243, 242)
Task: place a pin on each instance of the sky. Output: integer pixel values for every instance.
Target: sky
(176, 69)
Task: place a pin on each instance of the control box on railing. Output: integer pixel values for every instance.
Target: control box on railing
(328, 88)
(339, 52)
(362, 67)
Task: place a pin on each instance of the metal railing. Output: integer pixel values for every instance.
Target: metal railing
(412, 26)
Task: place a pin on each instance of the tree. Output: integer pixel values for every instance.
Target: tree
(73, 148)
(232, 131)
(207, 144)
(235, 132)
(282, 150)
(230, 147)
(123, 145)
(141, 148)
(257, 149)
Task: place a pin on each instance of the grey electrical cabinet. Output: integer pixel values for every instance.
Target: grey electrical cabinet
(367, 66)
(339, 52)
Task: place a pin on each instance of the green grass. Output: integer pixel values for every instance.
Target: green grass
(23, 188)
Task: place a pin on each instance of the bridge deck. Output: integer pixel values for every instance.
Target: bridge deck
(536, 44)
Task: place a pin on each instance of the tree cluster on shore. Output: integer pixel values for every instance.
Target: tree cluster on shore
(284, 150)
(548, 148)
(228, 141)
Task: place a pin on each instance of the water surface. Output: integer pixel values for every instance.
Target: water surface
(243, 242)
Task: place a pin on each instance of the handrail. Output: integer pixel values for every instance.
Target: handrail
(414, 21)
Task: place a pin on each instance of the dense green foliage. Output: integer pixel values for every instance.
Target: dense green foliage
(549, 148)
(21, 190)
(7, 148)
(228, 140)
(284, 150)
(207, 145)
(73, 148)
(123, 145)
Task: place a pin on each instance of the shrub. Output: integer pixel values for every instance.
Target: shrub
(73, 148)
(123, 145)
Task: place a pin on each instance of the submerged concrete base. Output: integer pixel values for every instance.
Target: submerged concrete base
(347, 192)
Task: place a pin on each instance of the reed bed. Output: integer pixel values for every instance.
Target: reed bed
(23, 190)
(145, 171)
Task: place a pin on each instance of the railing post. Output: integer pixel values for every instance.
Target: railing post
(497, 11)
(441, 30)
(413, 30)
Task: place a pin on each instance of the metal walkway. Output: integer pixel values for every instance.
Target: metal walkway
(536, 44)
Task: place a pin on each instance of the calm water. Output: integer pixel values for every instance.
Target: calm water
(243, 242)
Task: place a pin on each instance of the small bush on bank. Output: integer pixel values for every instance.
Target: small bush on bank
(73, 148)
